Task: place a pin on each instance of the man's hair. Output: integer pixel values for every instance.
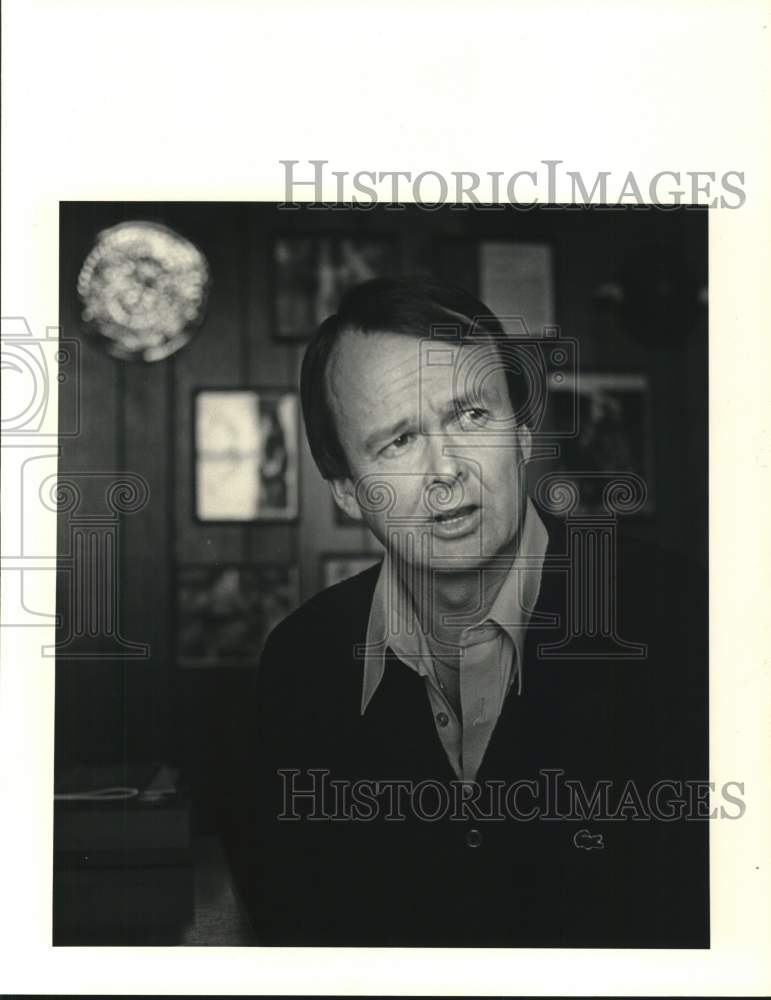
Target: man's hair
(417, 307)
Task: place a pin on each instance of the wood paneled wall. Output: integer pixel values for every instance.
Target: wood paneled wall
(137, 418)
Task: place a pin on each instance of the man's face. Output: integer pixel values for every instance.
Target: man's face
(436, 459)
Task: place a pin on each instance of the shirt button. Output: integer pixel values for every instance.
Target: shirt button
(442, 719)
(473, 838)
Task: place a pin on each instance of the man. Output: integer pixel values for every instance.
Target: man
(429, 762)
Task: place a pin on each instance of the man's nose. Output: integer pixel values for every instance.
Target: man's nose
(448, 464)
(448, 472)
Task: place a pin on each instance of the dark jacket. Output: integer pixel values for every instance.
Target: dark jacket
(355, 875)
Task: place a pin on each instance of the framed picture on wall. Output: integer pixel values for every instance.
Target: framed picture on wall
(225, 612)
(245, 455)
(515, 278)
(312, 273)
(516, 281)
(614, 431)
(336, 567)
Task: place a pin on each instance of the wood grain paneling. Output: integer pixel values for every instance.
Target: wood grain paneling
(137, 418)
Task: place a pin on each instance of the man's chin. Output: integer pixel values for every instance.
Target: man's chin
(458, 556)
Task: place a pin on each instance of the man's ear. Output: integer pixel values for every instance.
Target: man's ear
(344, 493)
(525, 442)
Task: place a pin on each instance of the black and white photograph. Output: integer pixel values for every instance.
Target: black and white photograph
(403, 621)
(385, 462)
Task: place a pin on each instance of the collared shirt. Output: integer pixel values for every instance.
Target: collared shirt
(489, 654)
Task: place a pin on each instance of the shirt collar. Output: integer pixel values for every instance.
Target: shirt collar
(510, 611)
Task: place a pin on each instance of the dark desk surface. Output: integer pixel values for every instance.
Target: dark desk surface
(136, 906)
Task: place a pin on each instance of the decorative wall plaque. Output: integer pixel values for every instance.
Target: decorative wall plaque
(143, 288)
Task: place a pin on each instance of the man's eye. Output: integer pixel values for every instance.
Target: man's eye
(475, 416)
(397, 445)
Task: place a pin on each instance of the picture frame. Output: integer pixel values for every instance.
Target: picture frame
(614, 432)
(245, 455)
(225, 612)
(312, 272)
(513, 277)
(339, 566)
(516, 281)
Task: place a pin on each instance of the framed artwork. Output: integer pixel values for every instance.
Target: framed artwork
(312, 273)
(245, 455)
(515, 278)
(614, 431)
(225, 612)
(341, 566)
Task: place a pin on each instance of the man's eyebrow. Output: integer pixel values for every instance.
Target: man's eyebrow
(460, 403)
(455, 406)
(385, 433)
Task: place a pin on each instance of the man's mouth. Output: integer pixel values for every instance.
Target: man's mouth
(452, 516)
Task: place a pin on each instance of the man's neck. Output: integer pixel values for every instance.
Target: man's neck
(440, 598)
(458, 595)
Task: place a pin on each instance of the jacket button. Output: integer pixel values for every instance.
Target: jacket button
(442, 719)
(473, 838)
